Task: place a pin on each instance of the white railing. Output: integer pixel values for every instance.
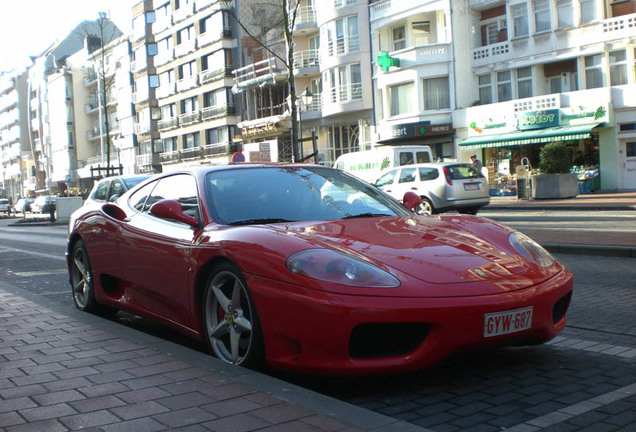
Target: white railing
(168, 123)
(343, 45)
(346, 93)
(306, 15)
(306, 59)
(188, 82)
(185, 47)
(166, 90)
(190, 117)
(621, 23)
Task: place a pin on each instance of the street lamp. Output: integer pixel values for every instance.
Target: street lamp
(306, 98)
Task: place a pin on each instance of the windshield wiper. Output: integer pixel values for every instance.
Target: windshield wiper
(258, 221)
(366, 215)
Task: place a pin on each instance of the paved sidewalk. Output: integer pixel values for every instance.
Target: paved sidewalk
(63, 370)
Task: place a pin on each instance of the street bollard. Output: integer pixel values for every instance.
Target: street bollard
(51, 212)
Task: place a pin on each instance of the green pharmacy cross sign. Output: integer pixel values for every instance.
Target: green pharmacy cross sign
(385, 61)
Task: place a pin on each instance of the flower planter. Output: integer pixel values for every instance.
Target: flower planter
(555, 186)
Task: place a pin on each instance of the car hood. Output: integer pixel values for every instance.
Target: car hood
(430, 249)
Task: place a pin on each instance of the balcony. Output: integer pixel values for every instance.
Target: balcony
(147, 160)
(305, 20)
(189, 118)
(91, 106)
(190, 153)
(210, 37)
(215, 149)
(166, 90)
(182, 13)
(185, 47)
(211, 113)
(139, 65)
(188, 83)
(306, 62)
(161, 24)
(90, 78)
(346, 93)
(561, 41)
(164, 57)
(213, 75)
(142, 128)
(423, 55)
(268, 71)
(343, 45)
(171, 156)
(169, 123)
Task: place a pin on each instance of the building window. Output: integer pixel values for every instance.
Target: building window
(541, 15)
(589, 10)
(166, 78)
(565, 13)
(421, 33)
(188, 70)
(399, 38)
(215, 136)
(618, 67)
(401, 97)
(341, 3)
(493, 31)
(191, 140)
(189, 105)
(504, 87)
(153, 81)
(347, 35)
(168, 111)
(593, 71)
(555, 84)
(485, 89)
(152, 49)
(185, 35)
(436, 94)
(169, 144)
(520, 20)
(346, 83)
(630, 149)
(524, 83)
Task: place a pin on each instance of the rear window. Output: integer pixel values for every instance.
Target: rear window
(463, 171)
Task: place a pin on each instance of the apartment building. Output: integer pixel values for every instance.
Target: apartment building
(183, 54)
(415, 73)
(16, 164)
(547, 71)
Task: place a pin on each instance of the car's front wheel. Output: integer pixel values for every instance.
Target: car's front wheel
(231, 325)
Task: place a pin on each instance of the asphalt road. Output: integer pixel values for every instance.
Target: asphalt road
(583, 380)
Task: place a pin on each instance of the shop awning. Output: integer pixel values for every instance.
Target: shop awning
(538, 136)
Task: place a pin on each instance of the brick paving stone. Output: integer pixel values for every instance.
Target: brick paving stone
(292, 427)
(58, 397)
(186, 400)
(237, 423)
(34, 379)
(280, 413)
(325, 424)
(231, 407)
(90, 419)
(145, 382)
(10, 419)
(67, 384)
(24, 391)
(42, 426)
(97, 403)
(48, 412)
(185, 417)
(228, 391)
(146, 394)
(137, 410)
(96, 390)
(109, 377)
(137, 425)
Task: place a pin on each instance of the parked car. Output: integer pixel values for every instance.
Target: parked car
(110, 188)
(23, 205)
(5, 207)
(442, 186)
(42, 204)
(274, 264)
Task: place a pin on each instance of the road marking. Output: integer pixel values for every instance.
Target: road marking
(39, 273)
(39, 254)
(575, 410)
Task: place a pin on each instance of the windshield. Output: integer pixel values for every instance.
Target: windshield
(280, 194)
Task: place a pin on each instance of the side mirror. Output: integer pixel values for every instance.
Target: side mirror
(171, 209)
(115, 212)
(411, 200)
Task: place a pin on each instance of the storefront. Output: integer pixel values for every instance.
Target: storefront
(510, 145)
(439, 136)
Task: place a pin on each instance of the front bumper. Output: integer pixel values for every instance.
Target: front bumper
(317, 332)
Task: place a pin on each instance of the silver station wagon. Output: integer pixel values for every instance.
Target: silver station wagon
(442, 186)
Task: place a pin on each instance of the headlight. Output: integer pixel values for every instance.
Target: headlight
(531, 250)
(331, 266)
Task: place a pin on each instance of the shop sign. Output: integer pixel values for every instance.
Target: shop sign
(385, 61)
(583, 115)
(537, 119)
(259, 130)
(414, 130)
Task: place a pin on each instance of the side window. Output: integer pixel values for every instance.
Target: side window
(428, 174)
(181, 188)
(116, 189)
(139, 198)
(423, 157)
(386, 179)
(407, 175)
(101, 192)
(406, 158)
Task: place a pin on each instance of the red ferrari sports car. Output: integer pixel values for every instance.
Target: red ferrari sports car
(307, 268)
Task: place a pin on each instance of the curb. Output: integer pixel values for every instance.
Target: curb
(597, 250)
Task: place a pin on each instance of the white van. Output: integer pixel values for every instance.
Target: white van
(369, 165)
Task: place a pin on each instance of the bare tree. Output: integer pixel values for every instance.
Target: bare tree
(98, 35)
(280, 15)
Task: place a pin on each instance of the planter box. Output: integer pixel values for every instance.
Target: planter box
(554, 186)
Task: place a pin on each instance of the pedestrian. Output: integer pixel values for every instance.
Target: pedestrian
(476, 162)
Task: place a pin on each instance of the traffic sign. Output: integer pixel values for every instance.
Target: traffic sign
(238, 157)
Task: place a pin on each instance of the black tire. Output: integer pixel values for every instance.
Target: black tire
(425, 207)
(231, 326)
(470, 211)
(82, 283)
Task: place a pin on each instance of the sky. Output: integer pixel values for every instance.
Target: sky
(28, 27)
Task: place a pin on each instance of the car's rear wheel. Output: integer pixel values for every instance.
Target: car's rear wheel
(231, 324)
(82, 283)
(470, 211)
(425, 207)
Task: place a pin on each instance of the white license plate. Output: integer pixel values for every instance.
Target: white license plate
(506, 322)
(471, 186)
